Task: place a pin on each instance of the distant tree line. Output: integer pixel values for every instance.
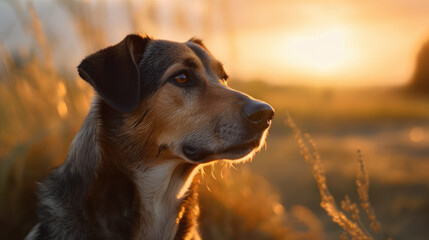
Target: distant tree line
(420, 79)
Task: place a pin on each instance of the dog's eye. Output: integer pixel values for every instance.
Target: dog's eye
(181, 78)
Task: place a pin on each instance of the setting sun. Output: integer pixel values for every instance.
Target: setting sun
(324, 51)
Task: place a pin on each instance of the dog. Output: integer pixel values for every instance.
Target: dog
(161, 110)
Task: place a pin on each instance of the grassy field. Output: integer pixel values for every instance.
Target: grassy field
(389, 126)
(275, 196)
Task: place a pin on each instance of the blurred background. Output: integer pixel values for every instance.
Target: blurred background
(353, 74)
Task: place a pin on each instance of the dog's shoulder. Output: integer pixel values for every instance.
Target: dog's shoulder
(62, 193)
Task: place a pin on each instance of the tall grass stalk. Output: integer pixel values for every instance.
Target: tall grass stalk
(353, 226)
(362, 184)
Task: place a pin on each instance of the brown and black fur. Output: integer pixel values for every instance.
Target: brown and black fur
(130, 169)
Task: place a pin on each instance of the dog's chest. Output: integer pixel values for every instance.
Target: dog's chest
(161, 190)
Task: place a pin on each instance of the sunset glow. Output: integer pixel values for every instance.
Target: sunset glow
(310, 42)
(321, 52)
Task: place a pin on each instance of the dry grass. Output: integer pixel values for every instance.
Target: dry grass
(41, 109)
(351, 224)
(238, 204)
(362, 184)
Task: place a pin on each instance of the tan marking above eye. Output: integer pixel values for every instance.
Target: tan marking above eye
(181, 78)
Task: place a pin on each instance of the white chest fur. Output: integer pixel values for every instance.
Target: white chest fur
(161, 190)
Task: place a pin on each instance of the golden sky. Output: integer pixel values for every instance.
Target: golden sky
(310, 42)
(317, 42)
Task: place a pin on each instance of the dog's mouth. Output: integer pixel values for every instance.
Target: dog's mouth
(235, 151)
(240, 148)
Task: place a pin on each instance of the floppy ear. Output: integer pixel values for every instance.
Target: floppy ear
(114, 74)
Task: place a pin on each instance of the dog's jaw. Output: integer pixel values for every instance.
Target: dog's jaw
(235, 152)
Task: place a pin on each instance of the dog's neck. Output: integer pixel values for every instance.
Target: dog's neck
(162, 190)
(147, 204)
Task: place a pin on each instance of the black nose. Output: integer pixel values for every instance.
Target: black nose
(258, 114)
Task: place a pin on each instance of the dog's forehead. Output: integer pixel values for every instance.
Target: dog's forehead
(164, 52)
(201, 52)
(167, 48)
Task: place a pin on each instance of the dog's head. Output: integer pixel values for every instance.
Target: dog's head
(162, 99)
